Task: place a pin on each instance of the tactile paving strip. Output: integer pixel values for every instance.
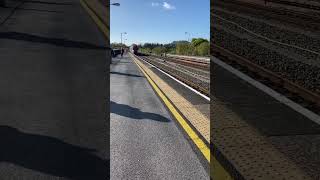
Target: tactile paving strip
(198, 120)
(248, 151)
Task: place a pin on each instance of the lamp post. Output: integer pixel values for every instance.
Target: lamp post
(124, 41)
(115, 4)
(121, 36)
(187, 33)
(111, 4)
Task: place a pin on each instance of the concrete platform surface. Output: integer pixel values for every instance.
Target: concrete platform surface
(259, 135)
(53, 87)
(145, 142)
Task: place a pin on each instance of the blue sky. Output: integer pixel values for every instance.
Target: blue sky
(159, 21)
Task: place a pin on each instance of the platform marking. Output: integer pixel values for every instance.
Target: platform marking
(298, 108)
(96, 19)
(191, 133)
(217, 171)
(180, 82)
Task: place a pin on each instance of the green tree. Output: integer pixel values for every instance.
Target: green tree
(118, 45)
(198, 47)
(159, 50)
(197, 41)
(203, 49)
(145, 50)
(184, 49)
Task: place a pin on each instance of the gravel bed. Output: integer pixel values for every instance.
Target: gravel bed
(303, 74)
(296, 54)
(195, 70)
(274, 33)
(200, 72)
(180, 72)
(310, 23)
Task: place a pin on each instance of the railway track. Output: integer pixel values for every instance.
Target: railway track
(307, 44)
(296, 4)
(187, 67)
(298, 19)
(205, 62)
(197, 79)
(292, 90)
(273, 49)
(286, 60)
(204, 65)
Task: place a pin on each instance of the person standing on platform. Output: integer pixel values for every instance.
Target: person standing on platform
(122, 51)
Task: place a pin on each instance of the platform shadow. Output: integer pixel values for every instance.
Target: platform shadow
(125, 74)
(135, 113)
(50, 156)
(53, 41)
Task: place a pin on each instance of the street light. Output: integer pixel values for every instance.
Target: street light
(188, 36)
(124, 42)
(115, 4)
(121, 36)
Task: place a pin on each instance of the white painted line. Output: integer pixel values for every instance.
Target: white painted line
(298, 108)
(180, 82)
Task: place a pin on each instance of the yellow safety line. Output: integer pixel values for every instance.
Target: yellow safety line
(195, 138)
(217, 171)
(100, 24)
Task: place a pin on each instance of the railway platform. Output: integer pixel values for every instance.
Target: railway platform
(147, 141)
(52, 88)
(256, 136)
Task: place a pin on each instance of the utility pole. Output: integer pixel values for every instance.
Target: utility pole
(124, 41)
(188, 36)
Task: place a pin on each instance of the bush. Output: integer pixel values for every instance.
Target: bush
(203, 49)
(184, 49)
(159, 50)
(197, 47)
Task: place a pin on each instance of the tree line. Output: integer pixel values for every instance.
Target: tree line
(118, 46)
(197, 47)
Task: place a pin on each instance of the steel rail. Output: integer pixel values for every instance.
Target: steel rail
(184, 80)
(195, 64)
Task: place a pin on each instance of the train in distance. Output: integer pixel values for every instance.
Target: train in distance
(134, 49)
